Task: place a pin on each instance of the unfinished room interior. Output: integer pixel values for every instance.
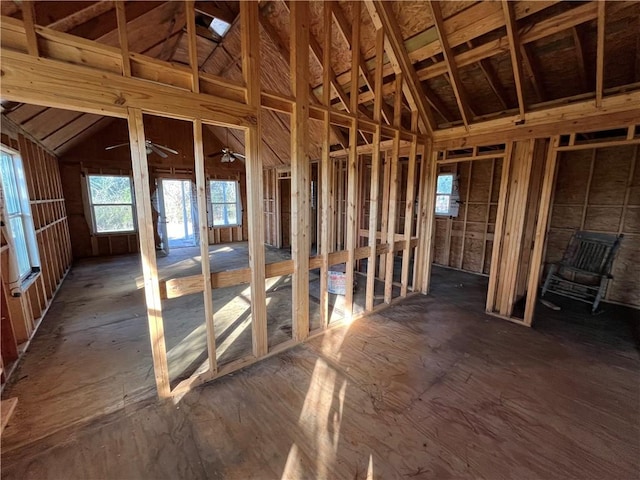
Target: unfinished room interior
(328, 239)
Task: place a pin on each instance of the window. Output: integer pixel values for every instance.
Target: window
(225, 203)
(219, 26)
(111, 201)
(17, 216)
(446, 195)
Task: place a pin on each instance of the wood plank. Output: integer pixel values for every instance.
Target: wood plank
(203, 237)
(29, 19)
(148, 251)
(123, 37)
(299, 63)
(541, 230)
(326, 210)
(81, 16)
(254, 167)
(193, 44)
(600, 53)
(104, 93)
(408, 218)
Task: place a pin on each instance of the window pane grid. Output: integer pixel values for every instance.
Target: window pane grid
(111, 201)
(224, 202)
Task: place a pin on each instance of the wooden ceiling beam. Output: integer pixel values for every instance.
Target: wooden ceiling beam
(456, 82)
(515, 52)
(63, 136)
(600, 53)
(383, 17)
(580, 116)
(82, 16)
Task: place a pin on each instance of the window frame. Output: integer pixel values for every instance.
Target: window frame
(25, 216)
(237, 203)
(91, 205)
(449, 195)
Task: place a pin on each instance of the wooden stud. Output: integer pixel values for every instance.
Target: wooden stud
(201, 198)
(29, 19)
(376, 158)
(254, 167)
(300, 167)
(466, 216)
(408, 217)
(600, 53)
(148, 251)
(541, 230)
(326, 212)
(193, 45)
(499, 227)
(516, 54)
(123, 37)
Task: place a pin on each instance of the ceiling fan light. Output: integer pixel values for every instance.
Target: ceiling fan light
(148, 151)
(226, 158)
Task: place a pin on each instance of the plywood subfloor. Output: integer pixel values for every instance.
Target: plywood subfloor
(425, 389)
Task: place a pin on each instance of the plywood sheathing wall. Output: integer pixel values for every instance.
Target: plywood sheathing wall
(599, 190)
(91, 157)
(21, 315)
(465, 242)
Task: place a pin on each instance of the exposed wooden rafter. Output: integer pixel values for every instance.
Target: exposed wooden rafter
(580, 57)
(456, 82)
(383, 17)
(516, 56)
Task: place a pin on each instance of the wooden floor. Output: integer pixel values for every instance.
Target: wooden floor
(429, 388)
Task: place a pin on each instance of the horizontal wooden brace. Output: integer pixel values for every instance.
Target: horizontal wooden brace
(45, 82)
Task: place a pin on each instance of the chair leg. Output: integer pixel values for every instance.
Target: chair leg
(552, 270)
(600, 294)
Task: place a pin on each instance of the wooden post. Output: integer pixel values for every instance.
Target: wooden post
(147, 250)
(29, 19)
(352, 169)
(193, 45)
(300, 167)
(123, 37)
(201, 198)
(374, 191)
(499, 227)
(253, 165)
(428, 217)
(600, 53)
(325, 210)
(408, 217)
(541, 230)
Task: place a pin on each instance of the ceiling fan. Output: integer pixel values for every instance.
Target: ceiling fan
(150, 147)
(226, 155)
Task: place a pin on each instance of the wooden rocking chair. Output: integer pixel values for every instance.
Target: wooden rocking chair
(585, 268)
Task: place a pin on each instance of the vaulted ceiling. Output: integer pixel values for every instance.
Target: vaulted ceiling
(467, 57)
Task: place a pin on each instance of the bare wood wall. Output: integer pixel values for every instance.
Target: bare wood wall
(21, 315)
(90, 156)
(465, 242)
(599, 190)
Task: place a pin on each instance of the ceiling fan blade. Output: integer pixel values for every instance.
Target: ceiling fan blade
(170, 150)
(238, 156)
(216, 154)
(153, 147)
(116, 146)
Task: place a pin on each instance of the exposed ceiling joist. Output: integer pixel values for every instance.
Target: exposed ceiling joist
(94, 10)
